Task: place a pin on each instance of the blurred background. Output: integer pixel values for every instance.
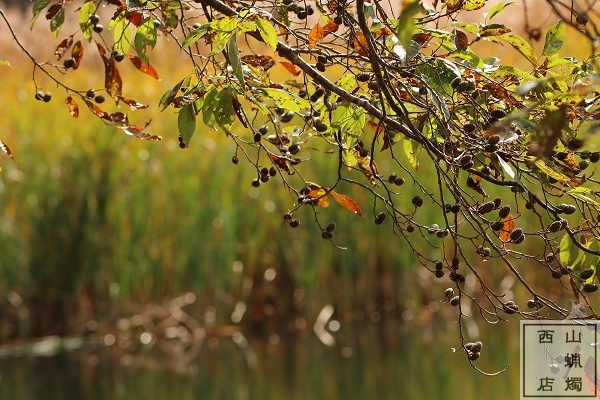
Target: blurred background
(133, 269)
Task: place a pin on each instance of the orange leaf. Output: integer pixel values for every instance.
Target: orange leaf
(319, 193)
(378, 128)
(290, 67)
(62, 48)
(77, 53)
(133, 103)
(330, 27)
(572, 163)
(145, 68)
(360, 44)
(315, 35)
(6, 150)
(112, 79)
(509, 224)
(346, 202)
(264, 62)
(135, 17)
(73, 107)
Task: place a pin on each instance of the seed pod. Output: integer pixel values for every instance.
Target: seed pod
(466, 160)
(586, 274)
(563, 224)
(494, 139)
(317, 94)
(455, 301)
(439, 274)
(379, 218)
(363, 77)
(326, 235)
(515, 234)
(455, 208)
(330, 227)
(504, 211)
(392, 178)
(510, 307)
(448, 292)
(294, 148)
(477, 346)
(550, 257)
(455, 82)
(595, 157)
(287, 216)
(469, 127)
(556, 274)
(399, 181)
(496, 226)
(590, 287)
(417, 201)
(497, 113)
(455, 263)
(555, 226)
(566, 208)
(294, 223)
(531, 303)
(485, 208)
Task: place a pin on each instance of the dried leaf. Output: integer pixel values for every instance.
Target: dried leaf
(508, 225)
(53, 10)
(360, 44)
(137, 131)
(77, 53)
(281, 163)
(135, 17)
(422, 38)
(264, 62)
(330, 27)
(62, 48)
(315, 36)
(460, 40)
(346, 202)
(97, 110)
(132, 103)
(572, 163)
(6, 150)
(290, 67)
(145, 68)
(319, 193)
(112, 79)
(73, 107)
(119, 118)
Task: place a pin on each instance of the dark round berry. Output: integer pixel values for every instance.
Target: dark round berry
(279, 111)
(338, 20)
(39, 95)
(590, 287)
(257, 137)
(322, 59)
(294, 148)
(294, 223)
(272, 171)
(556, 274)
(473, 356)
(263, 130)
(439, 274)
(326, 235)
(410, 228)
(302, 93)
(255, 182)
(321, 127)
(455, 82)
(320, 66)
(373, 85)
(69, 63)
(287, 117)
(379, 218)
(455, 301)
(417, 201)
(235, 159)
(449, 292)
(550, 257)
(439, 266)
(301, 14)
(581, 19)
(583, 164)
(317, 94)
(392, 177)
(90, 94)
(531, 303)
(118, 56)
(504, 211)
(330, 227)
(595, 157)
(469, 127)
(94, 19)
(455, 263)
(497, 113)
(587, 273)
(99, 99)
(47, 97)
(310, 10)
(98, 28)
(287, 216)
(363, 77)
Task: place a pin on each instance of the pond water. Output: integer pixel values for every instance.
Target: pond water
(367, 361)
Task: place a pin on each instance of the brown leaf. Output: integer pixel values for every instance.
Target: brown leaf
(77, 53)
(137, 131)
(264, 62)
(460, 40)
(119, 118)
(290, 67)
(364, 163)
(385, 31)
(73, 107)
(53, 10)
(422, 38)
(112, 79)
(281, 163)
(62, 48)
(97, 110)
(346, 202)
(315, 36)
(145, 68)
(508, 225)
(572, 163)
(6, 150)
(360, 44)
(132, 103)
(501, 93)
(135, 17)
(330, 27)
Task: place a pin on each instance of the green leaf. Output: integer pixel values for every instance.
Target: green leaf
(57, 22)
(520, 45)
(87, 28)
(473, 60)
(439, 103)
(145, 35)
(564, 249)
(439, 74)
(217, 108)
(194, 35)
(38, 7)
(267, 32)
(186, 122)
(471, 5)
(225, 24)
(234, 60)
(121, 34)
(497, 9)
(555, 39)
(411, 154)
(287, 100)
(406, 27)
(348, 119)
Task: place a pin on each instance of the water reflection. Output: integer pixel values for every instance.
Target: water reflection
(367, 362)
